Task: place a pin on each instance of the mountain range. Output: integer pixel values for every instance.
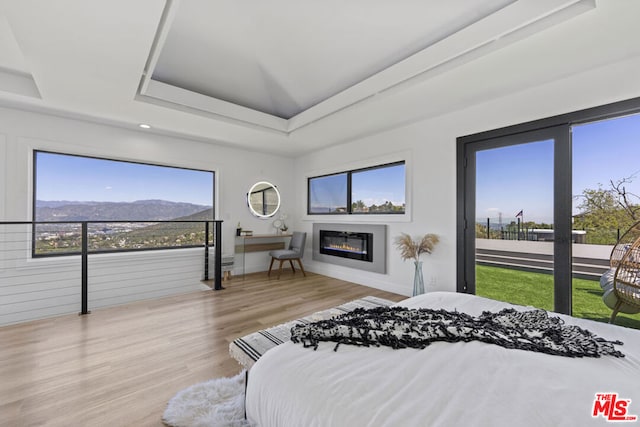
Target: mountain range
(140, 210)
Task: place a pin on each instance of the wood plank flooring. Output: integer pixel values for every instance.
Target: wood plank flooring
(119, 366)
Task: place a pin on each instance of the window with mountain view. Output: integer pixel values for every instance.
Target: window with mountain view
(122, 202)
(375, 190)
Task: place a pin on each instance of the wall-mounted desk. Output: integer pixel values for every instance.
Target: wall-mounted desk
(257, 243)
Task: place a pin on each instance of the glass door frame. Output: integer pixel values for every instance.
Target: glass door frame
(562, 197)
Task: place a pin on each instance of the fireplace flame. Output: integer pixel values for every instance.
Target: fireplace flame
(345, 247)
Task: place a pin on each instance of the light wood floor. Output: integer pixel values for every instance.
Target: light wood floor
(119, 366)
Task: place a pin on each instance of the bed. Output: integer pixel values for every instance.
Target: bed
(445, 384)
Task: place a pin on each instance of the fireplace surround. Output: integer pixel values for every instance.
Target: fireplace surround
(361, 246)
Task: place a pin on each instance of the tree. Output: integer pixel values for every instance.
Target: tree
(605, 210)
(358, 206)
(625, 199)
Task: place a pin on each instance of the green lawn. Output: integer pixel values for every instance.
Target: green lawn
(536, 289)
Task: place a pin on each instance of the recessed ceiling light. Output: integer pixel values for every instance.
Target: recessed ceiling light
(144, 126)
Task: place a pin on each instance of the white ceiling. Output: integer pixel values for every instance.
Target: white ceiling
(293, 76)
(282, 57)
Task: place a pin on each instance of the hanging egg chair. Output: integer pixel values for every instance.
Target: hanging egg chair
(621, 283)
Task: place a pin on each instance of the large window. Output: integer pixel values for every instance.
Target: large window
(129, 197)
(375, 190)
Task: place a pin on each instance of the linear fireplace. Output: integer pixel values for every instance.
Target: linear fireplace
(360, 246)
(346, 244)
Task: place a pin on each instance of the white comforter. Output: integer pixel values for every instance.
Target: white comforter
(461, 384)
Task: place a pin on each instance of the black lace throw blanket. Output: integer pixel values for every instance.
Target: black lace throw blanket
(400, 327)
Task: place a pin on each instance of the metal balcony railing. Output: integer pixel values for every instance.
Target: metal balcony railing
(47, 268)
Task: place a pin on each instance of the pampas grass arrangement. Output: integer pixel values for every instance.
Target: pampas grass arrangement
(413, 249)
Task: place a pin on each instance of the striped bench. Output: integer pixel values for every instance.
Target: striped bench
(248, 349)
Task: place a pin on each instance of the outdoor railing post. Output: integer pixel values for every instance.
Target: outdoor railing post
(85, 268)
(488, 224)
(206, 250)
(218, 256)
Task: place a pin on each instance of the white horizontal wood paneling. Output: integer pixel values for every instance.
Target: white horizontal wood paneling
(44, 293)
(42, 312)
(33, 288)
(36, 288)
(27, 294)
(38, 302)
(121, 278)
(26, 284)
(31, 279)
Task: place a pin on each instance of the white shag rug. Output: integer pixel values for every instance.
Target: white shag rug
(218, 402)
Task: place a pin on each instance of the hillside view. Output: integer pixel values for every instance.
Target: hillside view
(141, 210)
(65, 236)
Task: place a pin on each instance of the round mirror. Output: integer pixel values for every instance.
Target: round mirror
(263, 199)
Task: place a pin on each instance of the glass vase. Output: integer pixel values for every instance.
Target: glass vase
(418, 279)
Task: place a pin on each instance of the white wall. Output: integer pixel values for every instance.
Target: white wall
(431, 145)
(236, 170)
(27, 292)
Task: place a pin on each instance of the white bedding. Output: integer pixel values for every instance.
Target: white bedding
(460, 384)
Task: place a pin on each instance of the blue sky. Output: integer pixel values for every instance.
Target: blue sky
(378, 186)
(515, 178)
(521, 177)
(373, 186)
(74, 178)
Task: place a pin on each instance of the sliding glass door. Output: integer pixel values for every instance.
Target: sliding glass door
(516, 210)
(606, 203)
(541, 205)
(514, 223)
